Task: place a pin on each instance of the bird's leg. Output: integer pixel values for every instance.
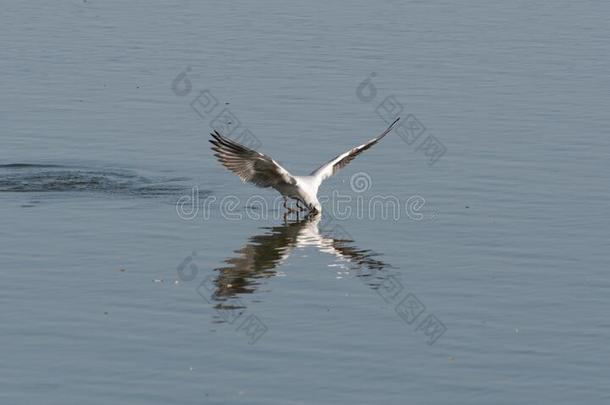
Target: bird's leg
(301, 208)
(288, 209)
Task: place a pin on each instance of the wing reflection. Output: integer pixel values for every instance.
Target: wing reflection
(259, 258)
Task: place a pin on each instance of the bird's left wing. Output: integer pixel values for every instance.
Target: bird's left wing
(331, 167)
(248, 164)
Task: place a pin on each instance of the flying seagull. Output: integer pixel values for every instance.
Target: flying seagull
(254, 167)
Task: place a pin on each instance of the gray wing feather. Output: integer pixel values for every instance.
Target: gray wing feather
(332, 166)
(250, 165)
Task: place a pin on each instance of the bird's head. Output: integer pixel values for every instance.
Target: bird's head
(315, 207)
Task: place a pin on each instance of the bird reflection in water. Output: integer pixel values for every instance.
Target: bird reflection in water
(260, 257)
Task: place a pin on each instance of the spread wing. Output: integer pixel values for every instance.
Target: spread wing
(331, 167)
(249, 164)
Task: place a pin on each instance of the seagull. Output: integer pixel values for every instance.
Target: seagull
(261, 170)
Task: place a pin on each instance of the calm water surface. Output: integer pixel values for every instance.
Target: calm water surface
(109, 296)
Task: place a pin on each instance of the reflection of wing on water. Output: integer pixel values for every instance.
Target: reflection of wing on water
(258, 258)
(363, 258)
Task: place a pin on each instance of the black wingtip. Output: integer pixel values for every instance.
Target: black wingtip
(391, 126)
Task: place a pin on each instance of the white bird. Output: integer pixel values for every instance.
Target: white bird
(259, 169)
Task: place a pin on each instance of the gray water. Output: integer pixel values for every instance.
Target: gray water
(110, 296)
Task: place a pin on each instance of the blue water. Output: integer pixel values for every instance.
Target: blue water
(491, 288)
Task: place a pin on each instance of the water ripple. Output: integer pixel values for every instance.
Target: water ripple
(26, 178)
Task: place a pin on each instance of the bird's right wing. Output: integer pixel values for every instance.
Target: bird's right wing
(331, 167)
(248, 164)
